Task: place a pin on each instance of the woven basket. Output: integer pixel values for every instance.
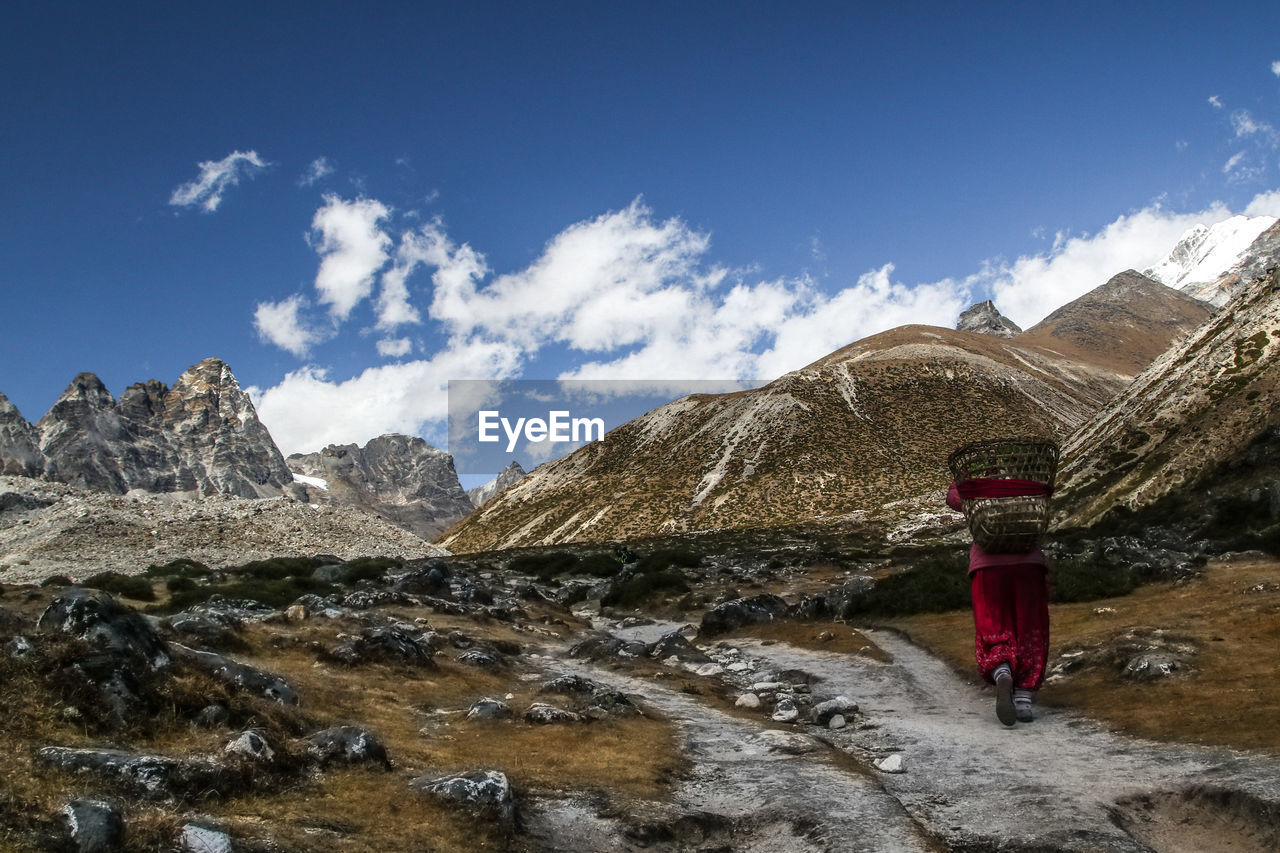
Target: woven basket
(1007, 525)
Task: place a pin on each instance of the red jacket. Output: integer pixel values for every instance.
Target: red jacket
(980, 559)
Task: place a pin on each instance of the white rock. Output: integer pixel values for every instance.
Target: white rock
(837, 721)
(709, 669)
(891, 764)
(748, 700)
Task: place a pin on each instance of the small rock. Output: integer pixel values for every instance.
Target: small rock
(489, 709)
(200, 839)
(568, 684)
(297, 612)
(785, 711)
(348, 745)
(837, 721)
(608, 703)
(481, 658)
(842, 705)
(95, 826)
(790, 743)
(740, 612)
(252, 745)
(748, 700)
(213, 716)
(18, 647)
(891, 764)
(541, 713)
(486, 792)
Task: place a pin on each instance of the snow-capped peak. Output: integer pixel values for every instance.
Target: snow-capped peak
(1205, 253)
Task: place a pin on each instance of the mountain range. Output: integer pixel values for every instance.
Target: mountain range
(858, 435)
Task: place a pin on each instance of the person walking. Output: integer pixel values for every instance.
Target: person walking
(1010, 620)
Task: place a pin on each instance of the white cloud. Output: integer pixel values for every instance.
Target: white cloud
(1028, 289)
(1215, 102)
(352, 247)
(1233, 163)
(1264, 204)
(216, 177)
(319, 168)
(279, 323)
(1244, 124)
(1275, 68)
(307, 411)
(394, 347)
(627, 296)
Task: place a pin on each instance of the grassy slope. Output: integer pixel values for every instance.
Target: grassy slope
(1232, 696)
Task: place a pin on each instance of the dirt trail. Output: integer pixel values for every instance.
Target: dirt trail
(1061, 783)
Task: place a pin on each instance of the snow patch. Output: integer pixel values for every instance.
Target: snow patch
(313, 482)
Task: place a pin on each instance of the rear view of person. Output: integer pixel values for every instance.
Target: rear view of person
(1003, 489)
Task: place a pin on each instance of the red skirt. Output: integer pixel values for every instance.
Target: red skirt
(1011, 621)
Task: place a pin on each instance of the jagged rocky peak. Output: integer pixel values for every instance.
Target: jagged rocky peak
(985, 319)
(399, 477)
(481, 495)
(200, 436)
(19, 443)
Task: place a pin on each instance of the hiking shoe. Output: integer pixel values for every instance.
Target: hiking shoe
(1004, 698)
(1022, 705)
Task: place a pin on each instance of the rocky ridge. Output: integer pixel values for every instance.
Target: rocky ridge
(200, 437)
(848, 437)
(53, 528)
(1203, 411)
(398, 477)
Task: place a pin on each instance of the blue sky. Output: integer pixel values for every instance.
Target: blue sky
(352, 204)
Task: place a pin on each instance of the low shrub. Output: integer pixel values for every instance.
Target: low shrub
(663, 558)
(279, 568)
(130, 586)
(934, 583)
(1086, 578)
(181, 567)
(643, 586)
(370, 568)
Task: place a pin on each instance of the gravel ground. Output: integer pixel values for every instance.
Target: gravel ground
(52, 528)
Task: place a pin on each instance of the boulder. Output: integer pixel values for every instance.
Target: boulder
(202, 839)
(841, 705)
(98, 619)
(346, 745)
(93, 826)
(489, 709)
(157, 777)
(740, 612)
(383, 644)
(484, 792)
(238, 675)
(543, 714)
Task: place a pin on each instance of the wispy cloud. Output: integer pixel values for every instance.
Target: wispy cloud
(352, 247)
(394, 347)
(319, 168)
(216, 177)
(1275, 68)
(280, 323)
(1215, 102)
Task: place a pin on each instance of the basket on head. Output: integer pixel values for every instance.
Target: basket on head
(1008, 524)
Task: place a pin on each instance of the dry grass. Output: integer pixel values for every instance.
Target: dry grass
(1232, 696)
(418, 713)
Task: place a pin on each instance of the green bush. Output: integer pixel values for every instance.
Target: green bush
(934, 583)
(279, 568)
(130, 586)
(277, 593)
(57, 580)
(665, 558)
(643, 586)
(370, 568)
(545, 564)
(180, 584)
(182, 567)
(1086, 578)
